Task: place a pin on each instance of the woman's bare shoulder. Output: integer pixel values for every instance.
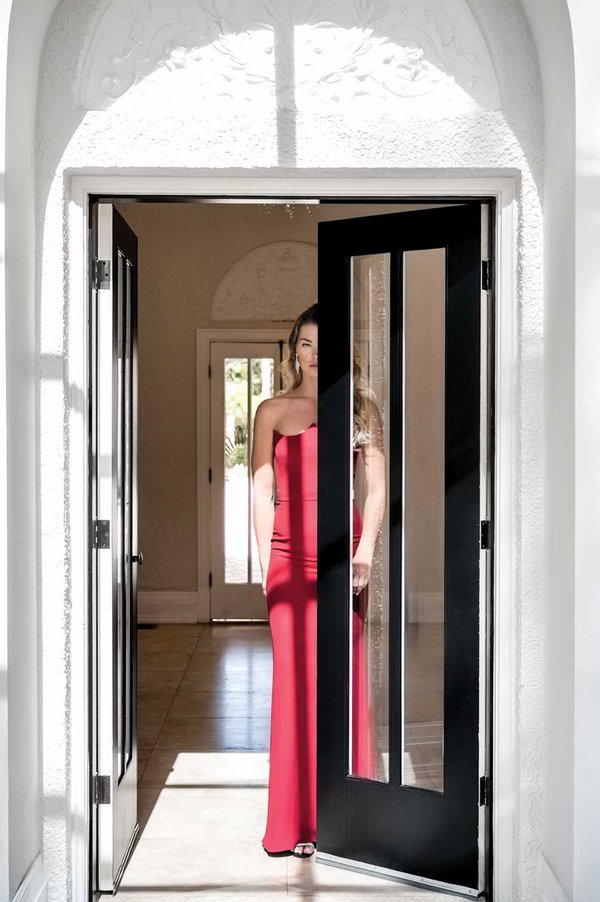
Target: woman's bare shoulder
(268, 411)
(271, 412)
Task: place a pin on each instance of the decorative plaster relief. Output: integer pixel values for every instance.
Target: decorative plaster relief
(273, 282)
(427, 54)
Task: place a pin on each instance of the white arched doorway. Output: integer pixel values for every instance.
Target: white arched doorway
(496, 140)
(396, 188)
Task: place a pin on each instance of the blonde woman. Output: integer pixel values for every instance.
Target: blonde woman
(285, 449)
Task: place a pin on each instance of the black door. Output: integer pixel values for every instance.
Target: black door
(114, 553)
(403, 665)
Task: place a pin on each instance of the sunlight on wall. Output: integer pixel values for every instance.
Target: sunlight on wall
(270, 55)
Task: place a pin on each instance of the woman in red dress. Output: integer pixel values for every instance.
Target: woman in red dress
(284, 451)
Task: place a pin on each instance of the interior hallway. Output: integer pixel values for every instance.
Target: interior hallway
(203, 735)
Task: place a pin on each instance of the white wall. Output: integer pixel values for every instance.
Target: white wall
(585, 17)
(572, 330)
(551, 30)
(28, 26)
(4, 777)
(345, 143)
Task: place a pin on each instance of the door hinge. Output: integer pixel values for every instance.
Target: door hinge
(486, 275)
(210, 579)
(210, 474)
(209, 371)
(486, 534)
(101, 534)
(484, 790)
(101, 789)
(102, 273)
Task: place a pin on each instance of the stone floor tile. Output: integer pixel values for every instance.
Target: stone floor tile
(215, 733)
(204, 721)
(168, 642)
(238, 681)
(199, 865)
(219, 664)
(159, 679)
(218, 703)
(217, 768)
(151, 659)
(156, 696)
(174, 629)
(143, 758)
(234, 814)
(148, 728)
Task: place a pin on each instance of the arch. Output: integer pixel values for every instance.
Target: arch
(430, 145)
(431, 56)
(270, 282)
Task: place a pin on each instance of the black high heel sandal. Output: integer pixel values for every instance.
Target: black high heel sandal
(305, 854)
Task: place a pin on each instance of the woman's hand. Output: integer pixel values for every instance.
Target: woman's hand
(361, 570)
(264, 567)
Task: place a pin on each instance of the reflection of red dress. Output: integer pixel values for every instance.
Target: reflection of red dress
(291, 588)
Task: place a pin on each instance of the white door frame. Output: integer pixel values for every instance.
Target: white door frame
(399, 187)
(204, 336)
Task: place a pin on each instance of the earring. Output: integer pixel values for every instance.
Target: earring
(297, 365)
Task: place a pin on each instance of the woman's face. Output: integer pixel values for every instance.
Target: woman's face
(306, 350)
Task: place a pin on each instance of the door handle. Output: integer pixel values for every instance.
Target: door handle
(139, 557)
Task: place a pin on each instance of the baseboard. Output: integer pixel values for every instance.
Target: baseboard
(34, 886)
(167, 607)
(548, 889)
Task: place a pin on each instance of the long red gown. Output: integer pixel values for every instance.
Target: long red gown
(291, 593)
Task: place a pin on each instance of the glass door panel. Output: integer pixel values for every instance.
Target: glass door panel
(423, 331)
(262, 384)
(236, 469)
(369, 445)
(248, 381)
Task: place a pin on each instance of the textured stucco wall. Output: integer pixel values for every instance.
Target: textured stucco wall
(551, 27)
(585, 22)
(23, 31)
(356, 129)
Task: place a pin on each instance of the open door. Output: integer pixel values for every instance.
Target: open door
(403, 710)
(114, 555)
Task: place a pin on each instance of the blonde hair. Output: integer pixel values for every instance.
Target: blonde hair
(291, 378)
(365, 404)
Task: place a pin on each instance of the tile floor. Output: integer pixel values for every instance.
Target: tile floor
(203, 737)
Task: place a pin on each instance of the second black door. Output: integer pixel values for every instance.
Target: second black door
(403, 764)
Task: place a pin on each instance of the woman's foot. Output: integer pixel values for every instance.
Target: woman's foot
(304, 849)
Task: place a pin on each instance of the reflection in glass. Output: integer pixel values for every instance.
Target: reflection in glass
(423, 527)
(369, 448)
(247, 382)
